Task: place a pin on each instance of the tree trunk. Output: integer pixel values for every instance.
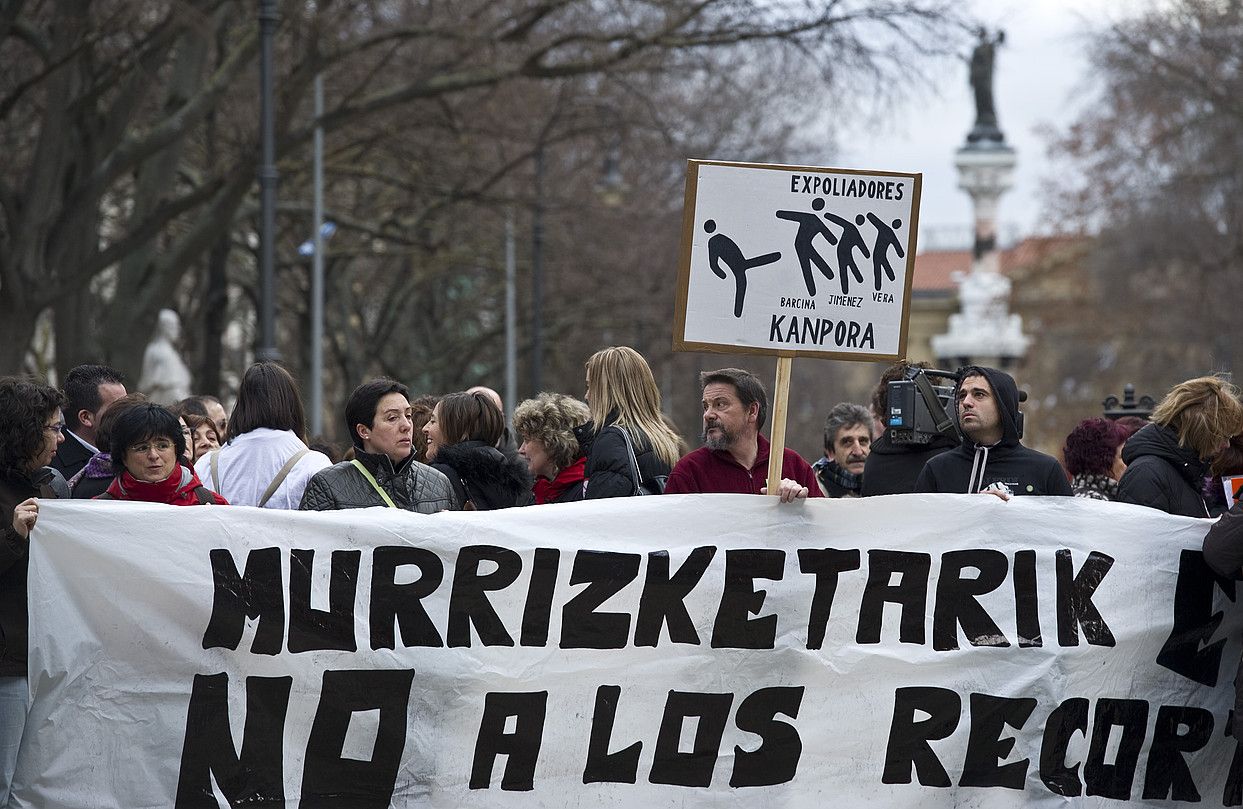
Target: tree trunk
(141, 291)
(17, 330)
(69, 318)
(215, 302)
(215, 317)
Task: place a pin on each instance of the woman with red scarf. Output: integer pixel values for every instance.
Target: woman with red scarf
(147, 442)
(546, 426)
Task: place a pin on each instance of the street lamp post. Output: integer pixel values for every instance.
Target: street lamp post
(610, 187)
(317, 269)
(511, 317)
(537, 276)
(267, 186)
(1128, 406)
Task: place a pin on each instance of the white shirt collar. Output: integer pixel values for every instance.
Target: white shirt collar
(94, 450)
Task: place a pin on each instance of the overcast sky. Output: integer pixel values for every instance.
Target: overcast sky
(1040, 75)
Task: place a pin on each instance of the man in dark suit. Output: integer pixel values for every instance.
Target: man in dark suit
(89, 389)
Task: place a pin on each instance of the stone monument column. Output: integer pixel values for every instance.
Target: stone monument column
(984, 332)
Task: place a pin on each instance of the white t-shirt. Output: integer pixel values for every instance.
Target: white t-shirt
(249, 463)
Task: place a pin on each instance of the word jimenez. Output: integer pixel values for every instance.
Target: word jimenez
(512, 723)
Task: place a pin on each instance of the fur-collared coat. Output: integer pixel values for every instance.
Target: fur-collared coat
(483, 476)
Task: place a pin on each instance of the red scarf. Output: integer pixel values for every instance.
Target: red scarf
(547, 491)
(177, 489)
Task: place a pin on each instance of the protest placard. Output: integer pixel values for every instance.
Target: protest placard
(796, 260)
(706, 650)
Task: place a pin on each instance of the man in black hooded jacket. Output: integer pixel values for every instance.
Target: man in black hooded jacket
(990, 457)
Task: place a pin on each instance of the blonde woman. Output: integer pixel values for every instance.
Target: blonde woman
(1167, 461)
(626, 423)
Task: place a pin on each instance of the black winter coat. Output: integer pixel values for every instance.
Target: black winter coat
(71, 456)
(1223, 551)
(893, 468)
(411, 485)
(608, 462)
(484, 476)
(971, 468)
(90, 488)
(1161, 474)
(14, 488)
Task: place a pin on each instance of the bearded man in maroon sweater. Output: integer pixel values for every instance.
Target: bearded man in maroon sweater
(734, 458)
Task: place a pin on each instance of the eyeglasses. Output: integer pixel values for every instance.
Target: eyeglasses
(159, 446)
(58, 427)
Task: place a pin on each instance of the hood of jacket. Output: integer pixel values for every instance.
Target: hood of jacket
(1162, 442)
(493, 479)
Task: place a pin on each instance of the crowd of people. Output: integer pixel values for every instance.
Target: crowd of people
(429, 454)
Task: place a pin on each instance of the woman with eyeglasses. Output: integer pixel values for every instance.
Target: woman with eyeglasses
(147, 443)
(30, 431)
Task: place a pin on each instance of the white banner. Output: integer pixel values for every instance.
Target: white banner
(796, 260)
(703, 650)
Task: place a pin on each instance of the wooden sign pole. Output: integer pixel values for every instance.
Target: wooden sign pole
(777, 436)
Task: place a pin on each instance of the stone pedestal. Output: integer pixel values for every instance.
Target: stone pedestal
(983, 332)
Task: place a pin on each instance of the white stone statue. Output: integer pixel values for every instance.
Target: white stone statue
(165, 377)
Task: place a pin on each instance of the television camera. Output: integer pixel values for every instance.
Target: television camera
(920, 412)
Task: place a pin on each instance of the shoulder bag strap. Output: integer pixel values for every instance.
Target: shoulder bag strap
(280, 476)
(371, 479)
(204, 496)
(634, 462)
(215, 470)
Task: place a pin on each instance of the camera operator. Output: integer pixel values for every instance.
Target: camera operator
(991, 458)
(892, 467)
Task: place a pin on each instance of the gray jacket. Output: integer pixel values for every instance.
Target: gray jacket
(411, 485)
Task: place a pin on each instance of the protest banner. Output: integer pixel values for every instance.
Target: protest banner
(705, 650)
(795, 261)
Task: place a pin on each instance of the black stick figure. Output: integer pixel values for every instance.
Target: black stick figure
(723, 250)
(851, 238)
(885, 238)
(810, 226)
